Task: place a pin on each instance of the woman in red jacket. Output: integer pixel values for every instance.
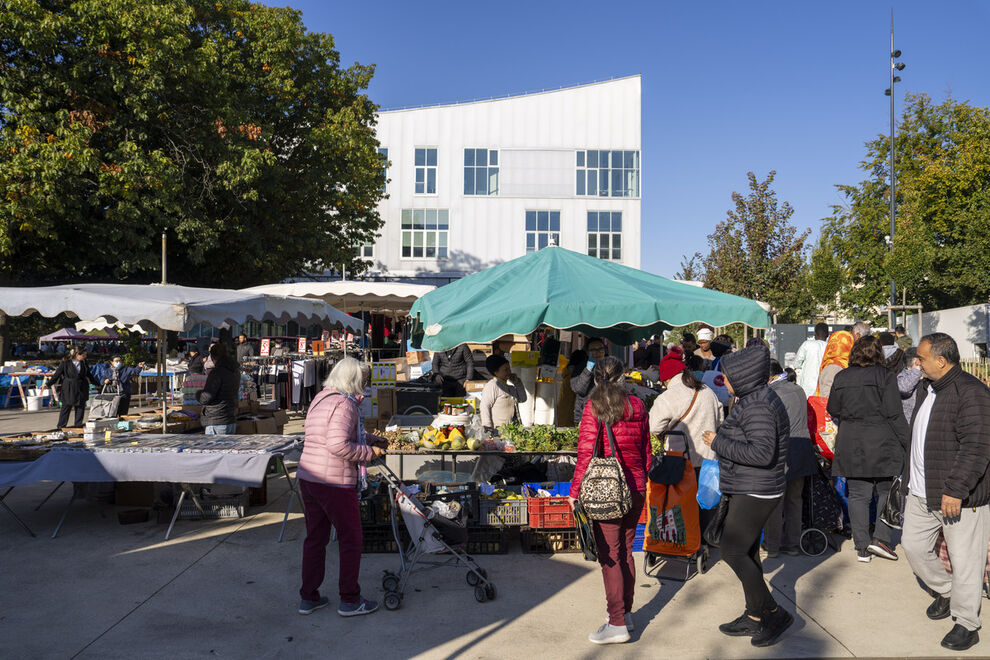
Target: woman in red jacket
(610, 404)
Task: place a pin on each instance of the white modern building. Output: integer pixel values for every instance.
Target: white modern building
(471, 185)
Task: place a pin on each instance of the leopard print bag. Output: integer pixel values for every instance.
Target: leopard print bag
(604, 492)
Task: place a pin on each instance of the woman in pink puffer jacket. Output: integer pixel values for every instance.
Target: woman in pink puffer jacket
(336, 447)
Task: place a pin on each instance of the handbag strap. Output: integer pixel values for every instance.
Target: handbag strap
(690, 408)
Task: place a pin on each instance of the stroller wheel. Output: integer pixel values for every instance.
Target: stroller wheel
(480, 594)
(473, 578)
(490, 591)
(702, 561)
(390, 583)
(814, 542)
(392, 601)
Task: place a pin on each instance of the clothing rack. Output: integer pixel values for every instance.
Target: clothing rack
(293, 379)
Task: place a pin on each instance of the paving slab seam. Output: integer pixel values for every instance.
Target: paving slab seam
(808, 616)
(221, 541)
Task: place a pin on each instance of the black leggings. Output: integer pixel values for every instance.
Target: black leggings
(740, 548)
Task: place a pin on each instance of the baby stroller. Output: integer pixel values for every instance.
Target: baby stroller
(821, 519)
(437, 528)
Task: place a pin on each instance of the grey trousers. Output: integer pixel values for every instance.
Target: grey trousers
(967, 539)
(783, 529)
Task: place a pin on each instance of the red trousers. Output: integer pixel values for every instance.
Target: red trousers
(614, 542)
(327, 507)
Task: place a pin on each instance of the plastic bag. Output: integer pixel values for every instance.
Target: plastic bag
(708, 486)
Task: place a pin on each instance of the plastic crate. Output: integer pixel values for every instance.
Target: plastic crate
(505, 512)
(375, 510)
(639, 538)
(550, 513)
(555, 488)
(487, 541)
(539, 541)
(214, 508)
(380, 539)
(466, 494)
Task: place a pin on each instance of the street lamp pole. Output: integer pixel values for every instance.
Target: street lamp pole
(894, 68)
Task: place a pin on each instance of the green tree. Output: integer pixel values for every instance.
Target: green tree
(941, 248)
(225, 124)
(757, 253)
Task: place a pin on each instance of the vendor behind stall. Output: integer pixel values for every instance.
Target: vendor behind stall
(453, 367)
(219, 396)
(196, 360)
(500, 400)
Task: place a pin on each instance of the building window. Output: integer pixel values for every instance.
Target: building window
(366, 251)
(424, 233)
(605, 235)
(608, 173)
(541, 227)
(426, 171)
(480, 172)
(383, 153)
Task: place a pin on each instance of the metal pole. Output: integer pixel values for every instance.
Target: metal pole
(893, 286)
(164, 273)
(162, 352)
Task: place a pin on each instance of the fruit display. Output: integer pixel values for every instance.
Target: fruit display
(502, 494)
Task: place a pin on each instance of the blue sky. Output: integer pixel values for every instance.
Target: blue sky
(728, 87)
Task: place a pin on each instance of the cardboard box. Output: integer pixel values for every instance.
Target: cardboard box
(281, 417)
(522, 359)
(246, 427)
(244, 406)
(401, 366)
(386, 402)
(417, 357)
(266, 426)
(475, 385)
(135, 493)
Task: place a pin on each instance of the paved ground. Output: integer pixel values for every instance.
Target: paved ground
(227, 589)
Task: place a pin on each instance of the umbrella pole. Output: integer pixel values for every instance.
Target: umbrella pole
(161, 378)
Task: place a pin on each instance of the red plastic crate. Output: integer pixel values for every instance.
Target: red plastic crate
(550, 513)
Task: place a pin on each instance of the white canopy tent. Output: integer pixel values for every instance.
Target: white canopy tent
(169, 307)
(353, 295)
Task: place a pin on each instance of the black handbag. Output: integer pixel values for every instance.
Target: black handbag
(669, 470)
(713, 532)
(586, 536)
(893, 511)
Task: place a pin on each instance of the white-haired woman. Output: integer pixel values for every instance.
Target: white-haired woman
(331, 474)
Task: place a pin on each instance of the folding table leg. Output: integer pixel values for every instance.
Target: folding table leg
(11, 511)
(292, 493)
(64, 513)
(178, 507)
(37, 508)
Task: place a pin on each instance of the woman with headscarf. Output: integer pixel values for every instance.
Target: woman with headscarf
(836, 359)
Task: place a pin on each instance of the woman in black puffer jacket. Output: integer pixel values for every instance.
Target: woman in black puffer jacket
(752, 458)
(865, 404)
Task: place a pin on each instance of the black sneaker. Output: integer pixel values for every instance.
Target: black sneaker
(740, 627)
(772, 626)
(864, 555)
(793, 552)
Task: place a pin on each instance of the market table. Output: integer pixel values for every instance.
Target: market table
(455, 453)
(239, 460)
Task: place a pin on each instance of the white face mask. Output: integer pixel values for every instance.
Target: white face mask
(116, 364)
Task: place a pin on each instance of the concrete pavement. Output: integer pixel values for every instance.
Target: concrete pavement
(227, 589)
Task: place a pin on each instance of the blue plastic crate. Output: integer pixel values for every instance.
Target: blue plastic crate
(639, 538)
(555, 488)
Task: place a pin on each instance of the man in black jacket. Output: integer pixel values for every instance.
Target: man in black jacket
(453, 367)
(73, 376)
(948, 489)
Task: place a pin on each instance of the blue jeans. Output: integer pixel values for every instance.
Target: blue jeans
(221, 429)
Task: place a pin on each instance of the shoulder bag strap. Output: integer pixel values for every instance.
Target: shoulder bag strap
(688, 411)
(598, 441)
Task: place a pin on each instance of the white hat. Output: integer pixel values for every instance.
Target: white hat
(705, 334)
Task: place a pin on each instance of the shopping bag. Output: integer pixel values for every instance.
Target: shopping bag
(709, 492)
(104, 404)
(673, 526)
(893, 511)
(586, 536)
(823, 429)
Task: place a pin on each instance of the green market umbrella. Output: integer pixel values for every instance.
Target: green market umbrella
(558, 288)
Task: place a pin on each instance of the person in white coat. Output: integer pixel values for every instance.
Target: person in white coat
(808, 361)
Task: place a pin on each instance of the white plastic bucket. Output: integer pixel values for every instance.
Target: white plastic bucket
(35, 402)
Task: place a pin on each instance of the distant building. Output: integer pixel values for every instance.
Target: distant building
(474, 184)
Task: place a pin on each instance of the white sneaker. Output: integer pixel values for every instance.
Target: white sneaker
(630, 625)
(609, 634)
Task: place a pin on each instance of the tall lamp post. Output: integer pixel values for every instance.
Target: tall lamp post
(895, 66)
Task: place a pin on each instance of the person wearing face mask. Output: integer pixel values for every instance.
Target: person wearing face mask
(73, 376)
(118, 377)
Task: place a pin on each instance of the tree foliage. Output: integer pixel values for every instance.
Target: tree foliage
(941, 248)
(757, 253)
(223, 123)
